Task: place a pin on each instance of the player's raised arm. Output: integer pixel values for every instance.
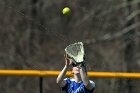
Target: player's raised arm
(84, 76)
(60, 79)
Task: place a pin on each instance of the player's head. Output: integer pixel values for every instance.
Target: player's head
(75, 70)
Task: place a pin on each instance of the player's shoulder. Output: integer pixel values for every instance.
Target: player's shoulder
(66, 78)
(65, 82)
(92, 82)
(71, 79)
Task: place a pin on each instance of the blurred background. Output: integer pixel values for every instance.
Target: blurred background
(34, 33)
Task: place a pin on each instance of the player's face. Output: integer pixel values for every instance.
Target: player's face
(75, 70)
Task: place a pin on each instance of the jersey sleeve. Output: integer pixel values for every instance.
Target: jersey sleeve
(93, 86)
(66, 85)
(92, 83)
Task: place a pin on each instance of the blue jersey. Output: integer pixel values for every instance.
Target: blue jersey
(73, 87)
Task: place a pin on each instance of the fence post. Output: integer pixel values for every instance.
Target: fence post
(40, 84)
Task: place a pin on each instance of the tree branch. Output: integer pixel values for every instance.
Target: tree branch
(109, 36)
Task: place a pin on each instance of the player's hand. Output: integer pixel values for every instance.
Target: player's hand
(82, 64)
(68, 61)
